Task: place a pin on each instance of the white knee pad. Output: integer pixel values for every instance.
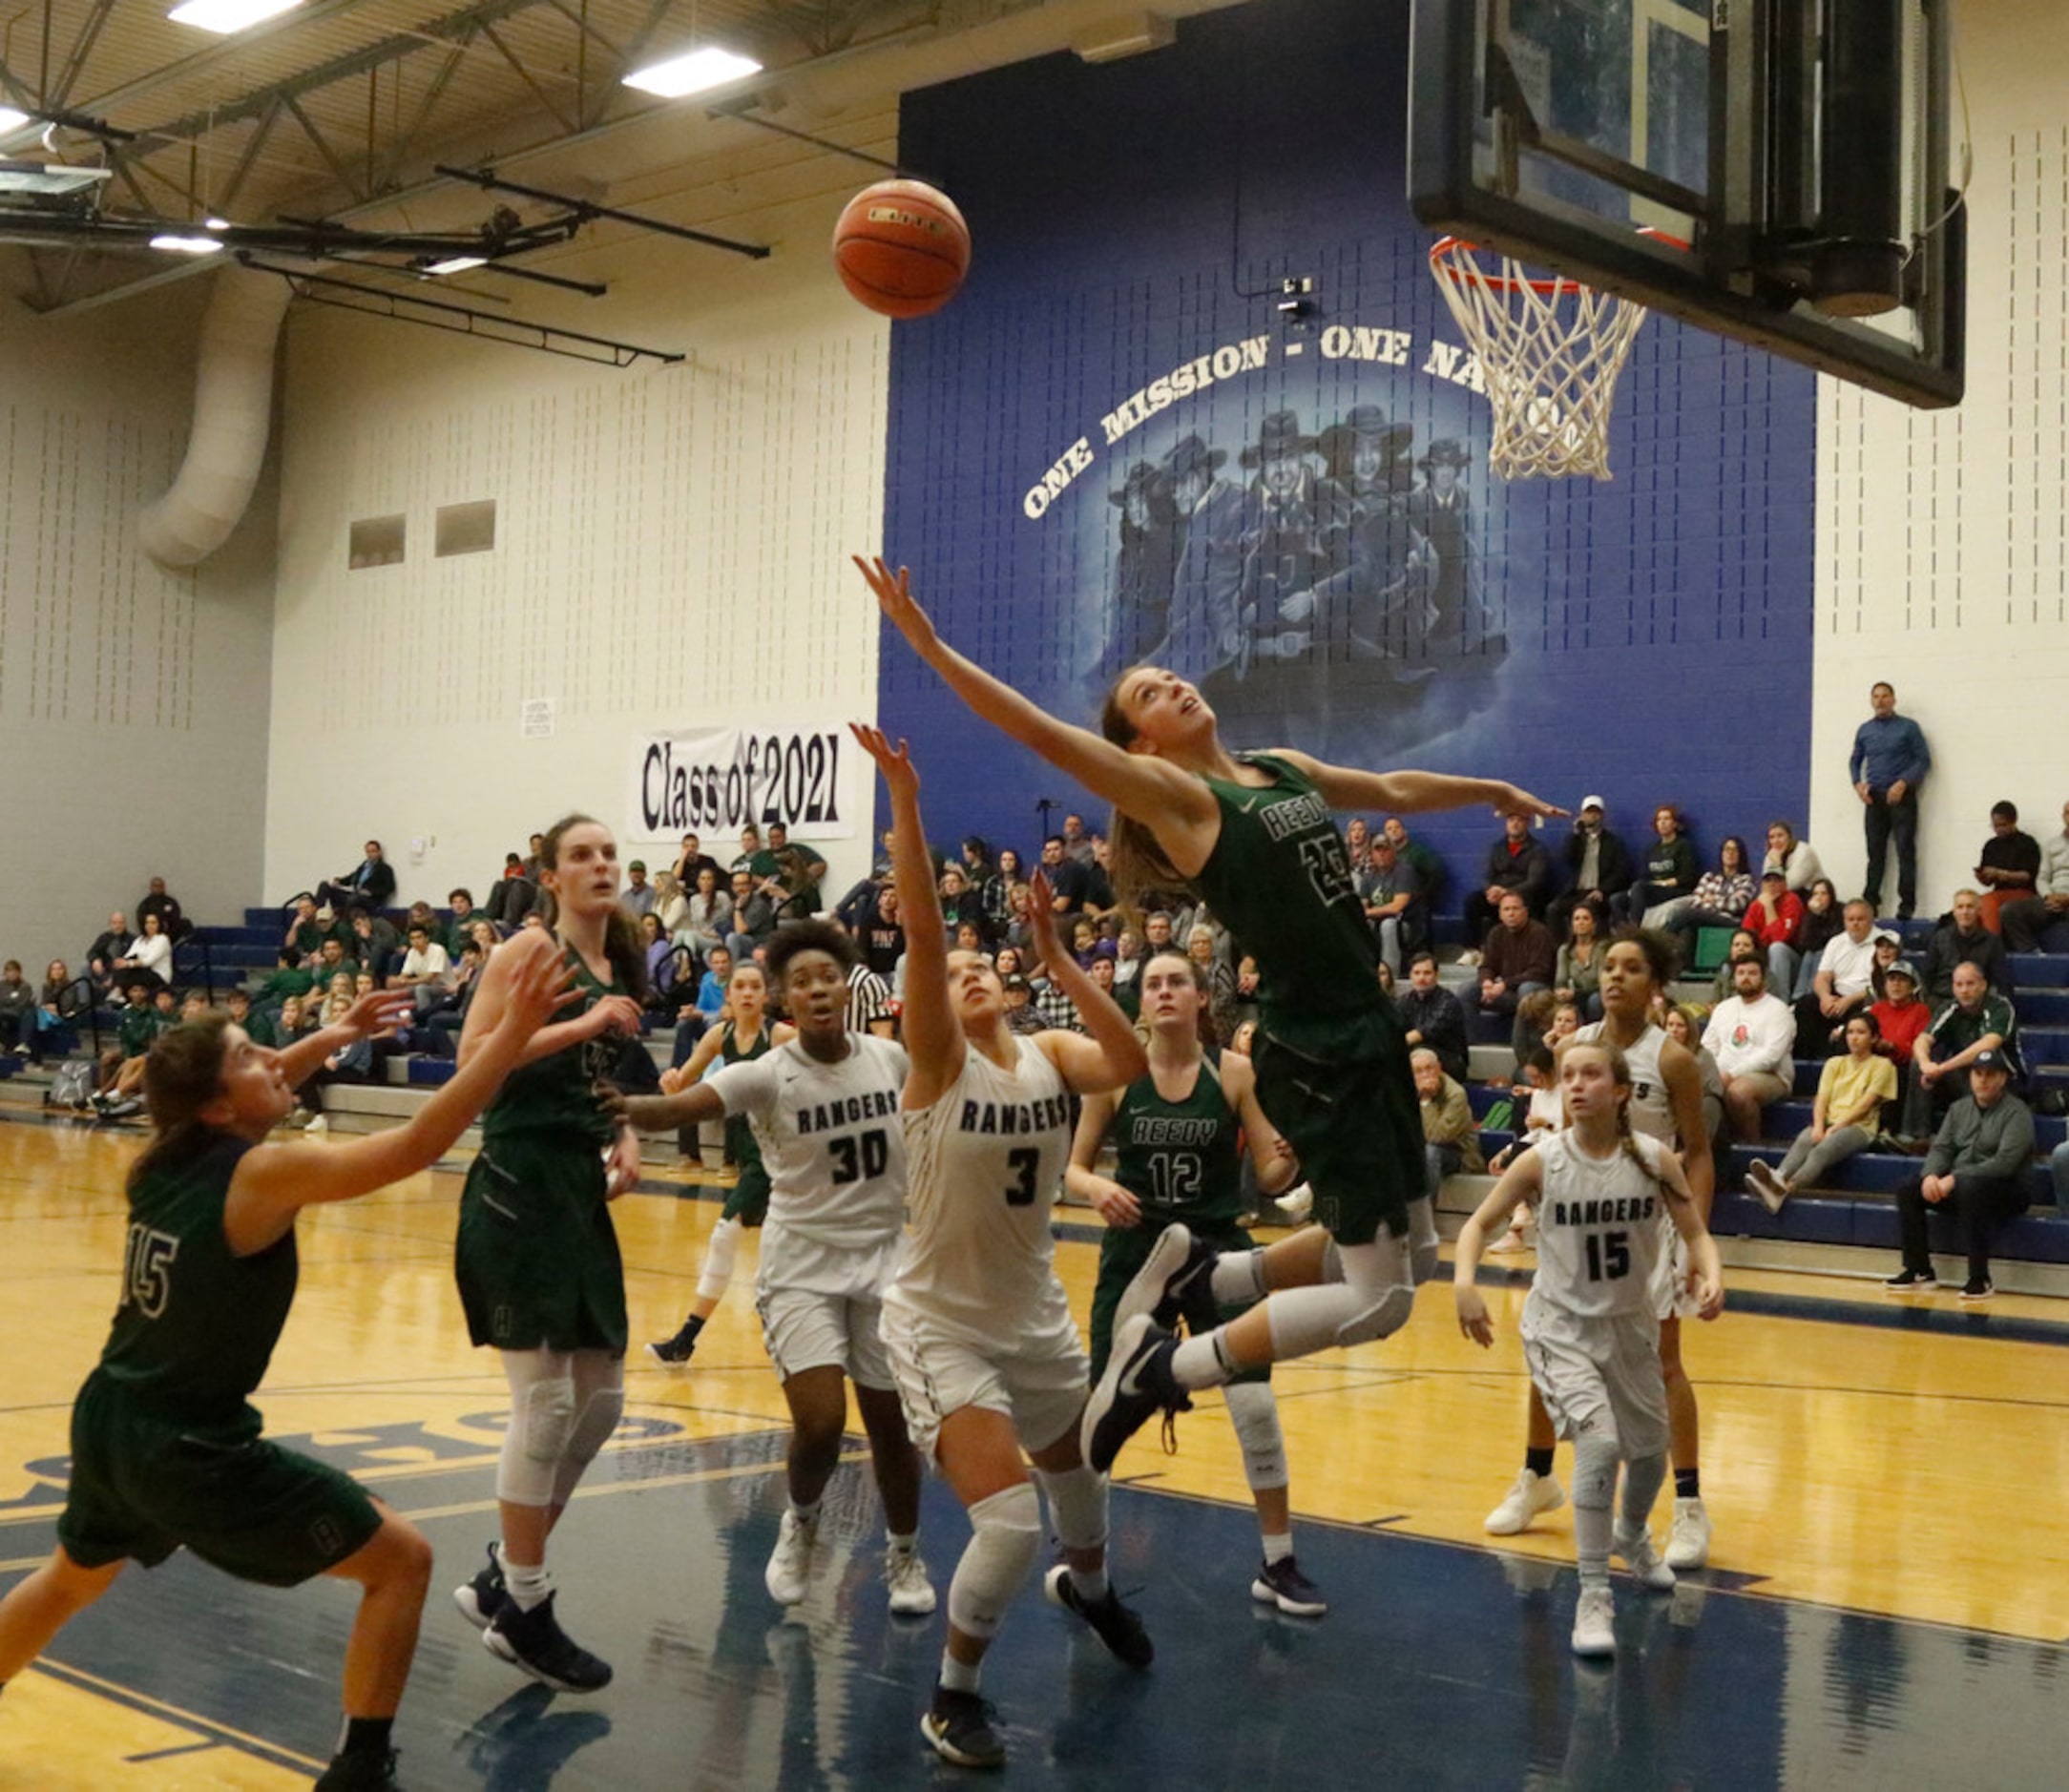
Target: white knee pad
(1380, 1275)
(1006, 1537)
(599, 1405)
(1255, 1414)
(541, 1418)
(1595, 1471)
(1077, 1506)
(716, 1274)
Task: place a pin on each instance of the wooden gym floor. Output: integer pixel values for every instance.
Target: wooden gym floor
(1888, 1589)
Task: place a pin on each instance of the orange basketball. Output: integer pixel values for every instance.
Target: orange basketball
(902, 248)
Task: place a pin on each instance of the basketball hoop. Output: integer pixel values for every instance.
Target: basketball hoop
(1550, 351)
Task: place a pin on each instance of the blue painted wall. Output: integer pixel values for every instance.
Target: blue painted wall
(1647, 637)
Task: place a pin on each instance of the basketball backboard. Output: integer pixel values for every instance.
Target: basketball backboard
(1771, 170)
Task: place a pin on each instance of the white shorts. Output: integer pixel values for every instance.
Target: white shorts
(1594, 1372)
(1039, 1382)
(805, 1329)
(1670, 1295)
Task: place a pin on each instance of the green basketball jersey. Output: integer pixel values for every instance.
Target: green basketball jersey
(1279, 878)
(741, 1144)
(195, 1325)
(558, 1093)
(1181, 1159)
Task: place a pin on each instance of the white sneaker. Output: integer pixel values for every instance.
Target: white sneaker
(317, 1127)
(1469, 959)
(1510, 1243)
(904, 1573)
(1764, 1181)
(1633, 1544)
(1688, 1544)
(1533, 1494)
(1297, 1205)
(789, 1574)
(1595, 1623)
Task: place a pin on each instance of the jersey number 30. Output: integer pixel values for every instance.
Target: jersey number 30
(1609, 1256)
(867, 1155)
(146, 1284)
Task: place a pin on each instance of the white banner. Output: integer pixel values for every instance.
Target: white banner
(715, 781)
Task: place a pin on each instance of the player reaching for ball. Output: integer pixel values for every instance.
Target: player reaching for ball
(1589, 1332)
(977, 1327)
(1253, 837)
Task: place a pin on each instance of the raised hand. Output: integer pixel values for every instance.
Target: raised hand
(615, 1014)
(894, 596)
(1042, 916)
(894, 762)
(378, 1013)
(1520, 801)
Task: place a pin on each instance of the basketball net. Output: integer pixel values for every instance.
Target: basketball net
(1550, 351)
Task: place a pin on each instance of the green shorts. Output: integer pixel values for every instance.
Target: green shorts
(144, 1485)
(748, 1199)
(1124, 1250)
(1353, 1119)
(536, 1257)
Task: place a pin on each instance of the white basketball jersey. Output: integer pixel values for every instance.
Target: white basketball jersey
(1600, 1228)
(831, 1138)
(985, 1163)
(1652, 1107)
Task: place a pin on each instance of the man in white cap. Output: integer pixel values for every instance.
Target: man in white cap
(1597, 867)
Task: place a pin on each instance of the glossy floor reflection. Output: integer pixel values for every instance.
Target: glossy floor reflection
(1437, 1665)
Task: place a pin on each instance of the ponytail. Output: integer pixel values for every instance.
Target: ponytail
(1136, 864)
(182, 1074)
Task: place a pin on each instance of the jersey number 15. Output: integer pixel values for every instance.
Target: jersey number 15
(147, 1284)
(1609, 1256)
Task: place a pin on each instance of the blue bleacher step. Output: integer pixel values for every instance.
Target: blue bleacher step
(2040, 970)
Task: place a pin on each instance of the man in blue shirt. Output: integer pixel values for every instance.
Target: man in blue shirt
(1889, 761)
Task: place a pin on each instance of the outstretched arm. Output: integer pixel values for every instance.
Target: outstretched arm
(1138, 785)
(1113, 1055)
(934, 1037)
(1410, 793)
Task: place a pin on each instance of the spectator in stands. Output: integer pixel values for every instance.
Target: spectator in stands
(671, 904)
(331, 963)
(375, 943)
(1751, 1034)
(305, 933)
(1224, 999)
(1976, 1020)
(691, 858)
(17, 1012)
(1889, 762)
(2009, 866)
(1669, 874)
(149, 959)
(1516, 863)
(960, 902)
(455, 933)
(2040, 922)
(807, 863)
(1392, 891)
(425, 962)
(1597, 867)
(528, 867)
(148, 1014)
(1576, 975)
(1076, 842)
(1357, 842)
(371, 884)
(638, 895)
(881, 937)
(1428, 865)
(1795, 859)
(62, 1000)
(1743, 945)
(1823, 917)
(661, 967)
(289, 977)
(710, 917)
(995, 892)
(1076, 886)
(483, 936)
(1128, 958)
(754, 913)
(1978, 1166)
(110, 946)
(1845, 981)
(1451, 1135)
(753, 857)
(514, 895)
(1517, 959)
(711, 987)
(1900, 1018)
(172, 922)
(1683, 1022)
(1022, 1017)
(1853, 1089)
(1960, 939)
(1433, 1017)
(1721, 896)
(1775, 919)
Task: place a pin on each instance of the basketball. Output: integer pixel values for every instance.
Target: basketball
(902, 248)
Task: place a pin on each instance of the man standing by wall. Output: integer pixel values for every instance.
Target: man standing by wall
(1889, 762)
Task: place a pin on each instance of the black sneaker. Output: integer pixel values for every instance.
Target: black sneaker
(481, 1601)
(1977, 1288)
(363, 1772)
(959, 1726)
(674, 1352)
(1110, 1622)
(1282, 1584)
(1138, 1382)
(1909, 1280)
(535, 1641)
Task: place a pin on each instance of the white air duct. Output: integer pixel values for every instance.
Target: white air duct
(233, 411)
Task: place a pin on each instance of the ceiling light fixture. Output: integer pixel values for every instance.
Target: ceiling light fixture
(693, 73)
(49, 180)
(225, 17)
(11, 119)
(457, 264)
(186, 245)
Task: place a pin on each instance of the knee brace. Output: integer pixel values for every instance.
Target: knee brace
(1595, 1470)
(599, 1403)
(1006, 1537)
(541, 1418)
(1077, 1506)
(1255, 1414)
(1379, 1273)
(716, 1274)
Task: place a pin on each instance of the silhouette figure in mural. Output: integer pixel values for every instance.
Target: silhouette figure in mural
(1152, 541)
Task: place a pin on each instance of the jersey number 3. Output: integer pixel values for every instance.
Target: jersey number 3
(1609, 1256)
(1024, 1162)
(852, 1158)
(146, 1284)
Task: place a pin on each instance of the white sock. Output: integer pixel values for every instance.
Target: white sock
(1278, 1546)
(958, 1677)
(806, 1515)
(1236, 1276)
(529, 1585)
(1089, 1583)
(1198, 1362)
(905, 1544)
